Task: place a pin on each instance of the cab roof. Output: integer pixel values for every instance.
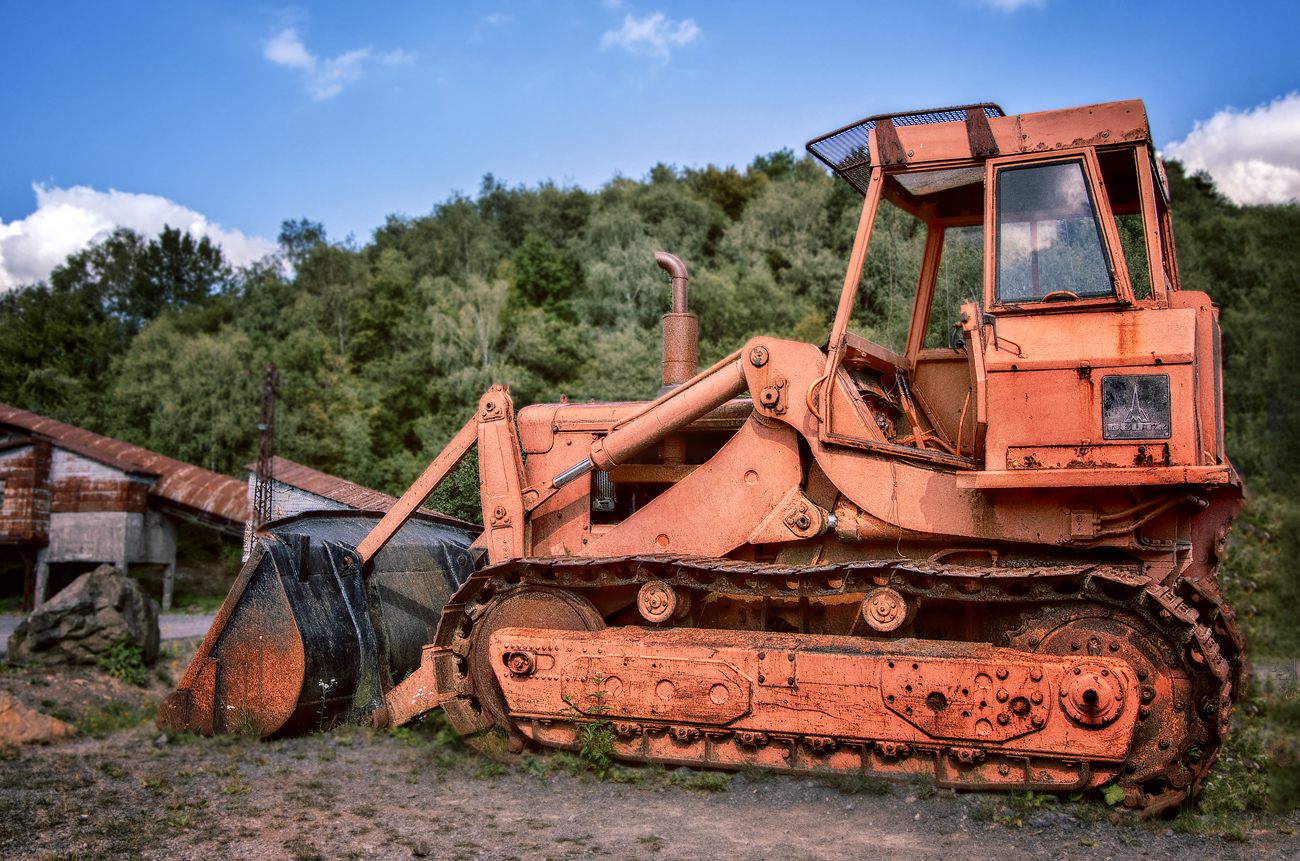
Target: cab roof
(947, 135)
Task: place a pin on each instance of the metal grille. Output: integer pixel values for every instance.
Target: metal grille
(845, 150)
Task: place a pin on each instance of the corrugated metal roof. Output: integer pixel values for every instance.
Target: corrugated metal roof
(184, 484)
(323, 484)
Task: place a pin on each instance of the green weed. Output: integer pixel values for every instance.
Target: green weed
(324, 688)
(923, 786)
(1236, 833)
(235, 787)
(596, 736)
(156, 784)
(709, 781)
(125, 661)
(431, 728)
(1240, 779)
(624, 775)
(244, 724)
(114, 716)
(535, 765)
(858, 783)
(1029, 801)
(983, 809)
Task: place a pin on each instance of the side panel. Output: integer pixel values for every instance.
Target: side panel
(1047, 383)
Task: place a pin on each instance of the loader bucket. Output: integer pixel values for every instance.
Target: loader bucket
(306, 638)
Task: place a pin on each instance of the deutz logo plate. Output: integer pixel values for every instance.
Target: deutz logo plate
(1135, 406)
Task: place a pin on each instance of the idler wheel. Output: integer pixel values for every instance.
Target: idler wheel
(525, 607)
(1092, 695)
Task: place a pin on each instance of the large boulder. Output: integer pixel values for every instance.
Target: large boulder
(84, 621)
(22, 725)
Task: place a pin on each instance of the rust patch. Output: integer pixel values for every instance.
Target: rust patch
(887, 142)
(980, 134)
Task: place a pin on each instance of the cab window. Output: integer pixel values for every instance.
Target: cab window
(1049, 242)
(960, 279)
(889, 276)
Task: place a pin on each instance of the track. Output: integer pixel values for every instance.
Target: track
(1181, 642)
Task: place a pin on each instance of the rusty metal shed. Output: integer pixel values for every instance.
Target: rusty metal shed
(296, 489)
(70, 495)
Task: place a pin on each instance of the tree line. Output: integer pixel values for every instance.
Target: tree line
(384, 347)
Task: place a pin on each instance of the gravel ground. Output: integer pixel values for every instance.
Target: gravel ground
(123, 790)
(360, 794)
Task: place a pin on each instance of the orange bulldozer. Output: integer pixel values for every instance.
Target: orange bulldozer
(984, 553)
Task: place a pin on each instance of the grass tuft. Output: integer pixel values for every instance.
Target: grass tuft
(125, 661)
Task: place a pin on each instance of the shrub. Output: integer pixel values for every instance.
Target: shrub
(125, 661)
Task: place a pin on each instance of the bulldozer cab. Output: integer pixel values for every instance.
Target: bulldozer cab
(1011, 301)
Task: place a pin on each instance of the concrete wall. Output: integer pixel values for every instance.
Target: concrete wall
(121, 538)
(94, 536)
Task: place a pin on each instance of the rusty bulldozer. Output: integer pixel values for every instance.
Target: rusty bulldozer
(987, 556)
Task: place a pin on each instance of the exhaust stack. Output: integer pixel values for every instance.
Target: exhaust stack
(681, 329)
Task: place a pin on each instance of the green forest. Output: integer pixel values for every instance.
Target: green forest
(384, 347)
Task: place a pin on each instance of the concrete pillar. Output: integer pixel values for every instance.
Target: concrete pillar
(169, 581)
(42, 577)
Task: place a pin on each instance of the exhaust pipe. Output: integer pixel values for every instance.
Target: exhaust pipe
(681, 329)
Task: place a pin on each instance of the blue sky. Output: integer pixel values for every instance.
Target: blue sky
(228, 118)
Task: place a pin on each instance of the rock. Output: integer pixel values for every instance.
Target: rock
(1044, 819)
(21, 725)
(84, 621)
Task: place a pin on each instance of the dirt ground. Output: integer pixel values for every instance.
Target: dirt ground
(124, 790)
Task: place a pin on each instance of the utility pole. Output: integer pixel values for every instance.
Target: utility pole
(265, 446)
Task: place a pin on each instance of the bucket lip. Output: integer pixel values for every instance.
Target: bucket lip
(284, 523)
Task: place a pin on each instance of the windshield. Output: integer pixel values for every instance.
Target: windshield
(1048, 237)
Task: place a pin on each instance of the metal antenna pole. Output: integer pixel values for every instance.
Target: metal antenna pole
(265, 446)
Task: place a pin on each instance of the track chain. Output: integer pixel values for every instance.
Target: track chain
(1197, 632)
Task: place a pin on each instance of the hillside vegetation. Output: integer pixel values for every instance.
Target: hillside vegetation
(384, 347)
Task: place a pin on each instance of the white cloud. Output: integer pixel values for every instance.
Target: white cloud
(497, 18)
(1254, 156)
(67, 220)
(651, 36)
(398, 57)
(330, 76)
(325, 78)
(286, 50)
